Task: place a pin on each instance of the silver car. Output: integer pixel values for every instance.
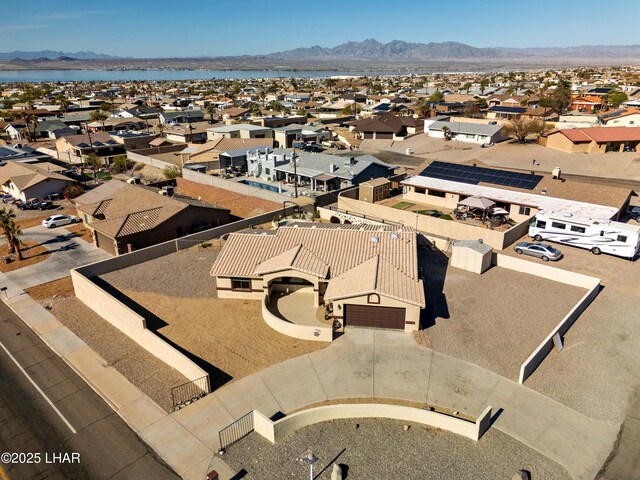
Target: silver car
(541, 250)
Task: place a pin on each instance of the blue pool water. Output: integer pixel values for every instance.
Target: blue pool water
(264, 186)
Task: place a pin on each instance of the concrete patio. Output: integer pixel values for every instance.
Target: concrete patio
(297, 307)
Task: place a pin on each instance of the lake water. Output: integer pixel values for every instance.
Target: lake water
(131, 75)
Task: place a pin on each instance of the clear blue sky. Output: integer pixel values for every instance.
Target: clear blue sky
(165, 28)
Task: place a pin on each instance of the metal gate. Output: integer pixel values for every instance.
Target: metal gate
(236, 431)
(189, 392)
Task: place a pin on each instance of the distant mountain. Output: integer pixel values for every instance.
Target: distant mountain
(398, 50)
(53, 55)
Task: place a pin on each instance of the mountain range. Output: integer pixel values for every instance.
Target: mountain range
(398, 49)
(53, 55)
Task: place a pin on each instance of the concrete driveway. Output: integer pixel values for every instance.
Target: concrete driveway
(68, 252)
(375, 363)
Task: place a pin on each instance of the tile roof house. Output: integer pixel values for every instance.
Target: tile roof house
(623, 117)
(367, 274)
(25, 180)
(594, 139)
(465, 132)
(127, 217)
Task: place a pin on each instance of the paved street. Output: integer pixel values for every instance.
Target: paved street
(108, 449)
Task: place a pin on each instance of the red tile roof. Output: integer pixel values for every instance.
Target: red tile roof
(603, 134)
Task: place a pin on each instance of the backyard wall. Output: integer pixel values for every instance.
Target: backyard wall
(136, 157)
(449, 229)
(276, 431)
(133, 325)
(592, 285)
(234, 186)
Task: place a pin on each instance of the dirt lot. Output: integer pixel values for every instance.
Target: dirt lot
(494, 320)
(242, 206)
(148, 373)
(31, 252)
(229, 337)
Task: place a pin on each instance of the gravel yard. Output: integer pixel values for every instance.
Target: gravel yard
(496, 319)
(145, 371)
(228, 336)
(380, 448)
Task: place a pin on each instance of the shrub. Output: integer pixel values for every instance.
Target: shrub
(172, 172)
(121, 164)
(72, 191)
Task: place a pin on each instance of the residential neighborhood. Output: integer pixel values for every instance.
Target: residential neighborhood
(370, 260)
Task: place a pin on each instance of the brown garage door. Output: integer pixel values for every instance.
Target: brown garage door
(378, 317)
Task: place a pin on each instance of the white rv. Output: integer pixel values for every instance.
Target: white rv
(597, 236)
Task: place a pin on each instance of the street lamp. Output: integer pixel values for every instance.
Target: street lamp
(310, 459)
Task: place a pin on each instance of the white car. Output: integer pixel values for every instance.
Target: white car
(58, 220)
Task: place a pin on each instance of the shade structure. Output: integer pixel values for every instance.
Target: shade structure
(477, 202)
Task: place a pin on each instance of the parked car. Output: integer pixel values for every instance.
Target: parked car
(635, 213)
(30, 204)
(541, 250)
(313, 147)
(58, 220)
(7, 199)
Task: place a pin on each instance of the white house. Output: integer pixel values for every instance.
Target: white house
(465, 132)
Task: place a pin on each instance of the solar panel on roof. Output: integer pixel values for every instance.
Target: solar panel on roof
(475, 175)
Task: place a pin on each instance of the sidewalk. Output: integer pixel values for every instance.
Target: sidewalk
(381, 364)
(185, 453)
(361, 364)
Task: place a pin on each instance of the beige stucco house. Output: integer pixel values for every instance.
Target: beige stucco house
(367, 275)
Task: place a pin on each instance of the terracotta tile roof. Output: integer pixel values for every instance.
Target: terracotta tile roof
(330, 251)
(602, 134)
(296, 258)
(128, 209)
(576, 135)
(376, 276)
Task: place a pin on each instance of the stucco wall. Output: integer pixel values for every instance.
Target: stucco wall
(591, 284)
(449, 229)
(223, 288)
(303, 332)
(132, 325)
(276, 431)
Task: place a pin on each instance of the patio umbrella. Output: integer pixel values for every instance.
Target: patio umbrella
(477, 202)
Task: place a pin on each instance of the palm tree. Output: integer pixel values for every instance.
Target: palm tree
(161, 129)
(211, 111)
(99, 116)
(11, 231)
(93, 162)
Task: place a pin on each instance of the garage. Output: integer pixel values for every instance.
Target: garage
(376, 317)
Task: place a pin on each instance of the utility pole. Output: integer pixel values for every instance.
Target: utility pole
(294, 158)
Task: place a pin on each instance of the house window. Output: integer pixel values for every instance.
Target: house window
(373, 298)
(524, 210)
(241, 284)
(622, 238)
(436, 193)
(267, 171)
(559, 225)
(420, 190)
(575, 228)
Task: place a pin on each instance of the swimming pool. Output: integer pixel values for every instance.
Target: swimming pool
(264, 186)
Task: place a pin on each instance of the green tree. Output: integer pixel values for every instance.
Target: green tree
(121, 164)
(615, 98)
(11, 232)
(72, 191)
(211, 110)
(105, 107)
(171, 172)
(484, 83)
(98, 116)
(521, 127)
(436, 97)
(466, 87)
(93, 162)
